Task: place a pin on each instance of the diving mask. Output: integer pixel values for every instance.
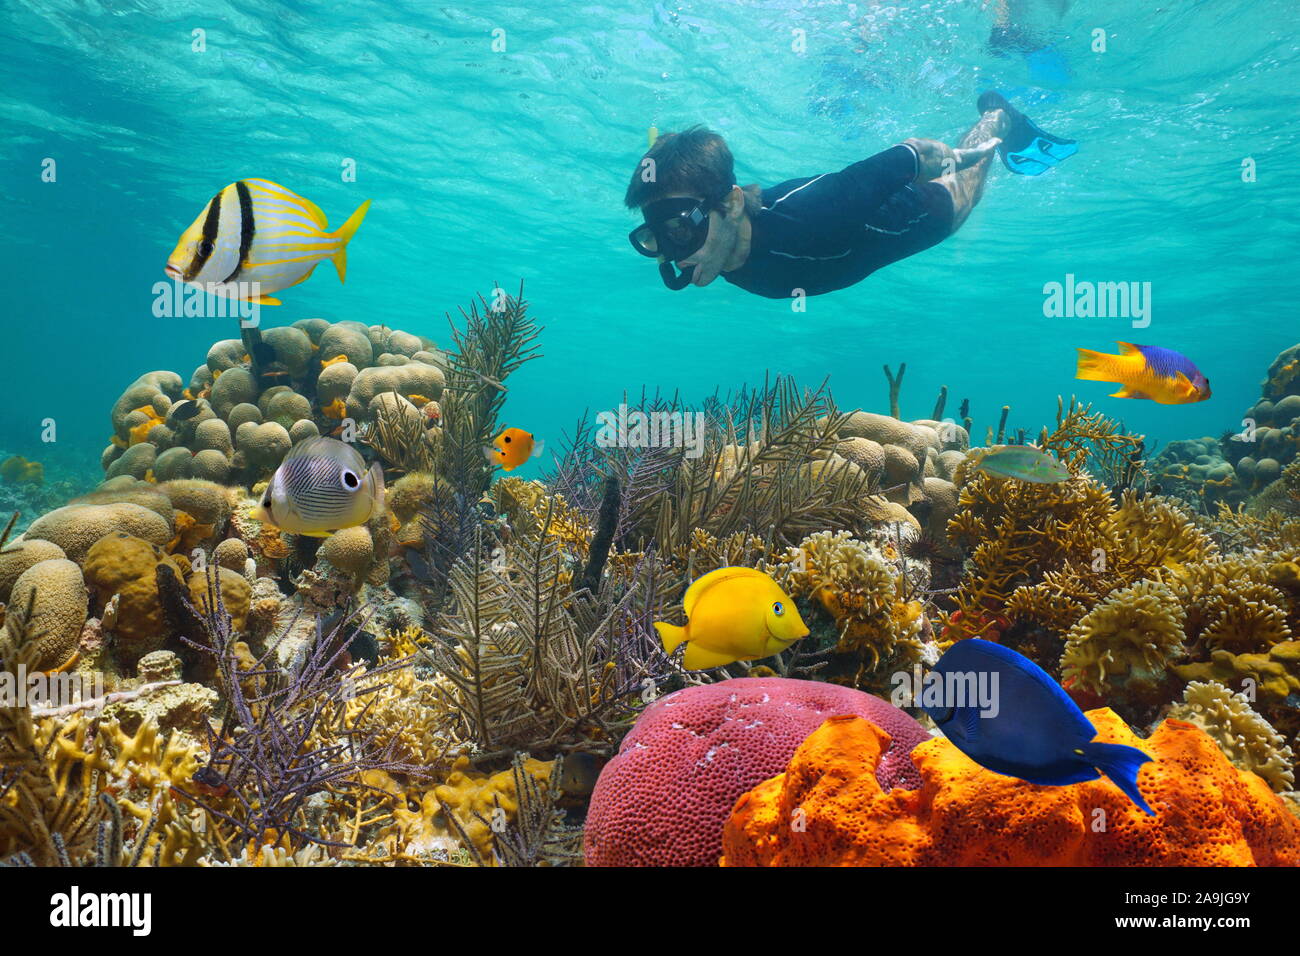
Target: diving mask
(673, 230)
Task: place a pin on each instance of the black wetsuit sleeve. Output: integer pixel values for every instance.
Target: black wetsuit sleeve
(822, 215)
(863, 187)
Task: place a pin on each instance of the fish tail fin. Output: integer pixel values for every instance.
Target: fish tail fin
(538, 447)
(344, 233)
(377, 483)
(1121, 765)
(671, 635)
(1095, 366)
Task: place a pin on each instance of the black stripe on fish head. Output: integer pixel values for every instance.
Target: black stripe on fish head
(208, 238)
(246, 228)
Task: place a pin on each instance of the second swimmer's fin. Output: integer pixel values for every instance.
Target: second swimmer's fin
(1027, 148)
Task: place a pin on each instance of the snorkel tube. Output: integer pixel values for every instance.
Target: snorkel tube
(672, 278)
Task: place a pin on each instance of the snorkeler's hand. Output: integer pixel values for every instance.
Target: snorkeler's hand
(969, 157)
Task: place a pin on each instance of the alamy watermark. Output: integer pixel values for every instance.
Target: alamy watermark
(229, 300)
(1100, 300)
(633, 428)
(45, 691)
(953, 689)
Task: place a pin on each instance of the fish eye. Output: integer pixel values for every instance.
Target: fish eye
(778, 608)
(507, 439)
(206, 247)
(350, 480)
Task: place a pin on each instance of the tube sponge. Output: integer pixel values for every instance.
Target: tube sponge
(1208, 813)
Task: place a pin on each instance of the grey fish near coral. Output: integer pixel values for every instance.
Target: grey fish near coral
(322, 486)
(1024, 463)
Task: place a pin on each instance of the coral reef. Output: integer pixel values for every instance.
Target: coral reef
(663, 799)
(1247, 461)
(255, 396)
(870, 596)
(471, 678)
(1245, 738)
(829, 809)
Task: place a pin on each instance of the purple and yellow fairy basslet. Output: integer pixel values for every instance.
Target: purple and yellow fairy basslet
(258, 231)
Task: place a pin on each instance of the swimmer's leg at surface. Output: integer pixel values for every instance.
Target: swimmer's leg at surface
(962, 171)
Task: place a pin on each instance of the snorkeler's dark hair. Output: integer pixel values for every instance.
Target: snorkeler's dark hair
(696, 161)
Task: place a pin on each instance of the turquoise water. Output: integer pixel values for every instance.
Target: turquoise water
(489, 167)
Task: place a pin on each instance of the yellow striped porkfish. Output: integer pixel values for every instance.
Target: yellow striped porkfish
(258, 231)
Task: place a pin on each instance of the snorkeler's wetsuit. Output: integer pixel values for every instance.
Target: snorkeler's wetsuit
(822, 233)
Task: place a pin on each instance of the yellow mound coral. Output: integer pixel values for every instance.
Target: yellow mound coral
(1246, 738)
(1128, 640)
(420, 827)
(235, 592)
(828, 809)
(407, 713)
(126, 566)
(1273, 677)
(18, 470)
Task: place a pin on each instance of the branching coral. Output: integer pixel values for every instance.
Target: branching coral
(1126, 642)
(1246, 738)
(1091, 440)
(862, 592)
(1014, 532)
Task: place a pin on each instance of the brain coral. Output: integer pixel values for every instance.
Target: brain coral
(21, 555)
(58, 611)
(74, 528)
(663, 799)
(828, 809)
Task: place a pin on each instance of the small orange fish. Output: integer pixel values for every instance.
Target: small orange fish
(512, 448)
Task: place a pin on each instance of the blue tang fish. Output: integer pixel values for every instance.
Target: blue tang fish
(1038, 733)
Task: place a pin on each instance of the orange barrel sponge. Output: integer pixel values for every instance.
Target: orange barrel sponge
(828, 809)
(663, 799)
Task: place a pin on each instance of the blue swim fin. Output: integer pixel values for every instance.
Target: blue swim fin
(1027, 149)
(1120, 764)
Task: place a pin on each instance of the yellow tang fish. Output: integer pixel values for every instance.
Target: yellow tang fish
(733, 614)
(512, 448)
(257, 231)
(321, 486)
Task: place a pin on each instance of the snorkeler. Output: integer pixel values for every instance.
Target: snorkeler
(816, 234)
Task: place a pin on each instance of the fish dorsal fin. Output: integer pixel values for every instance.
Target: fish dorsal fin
(696, 590)
(1129, 349)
